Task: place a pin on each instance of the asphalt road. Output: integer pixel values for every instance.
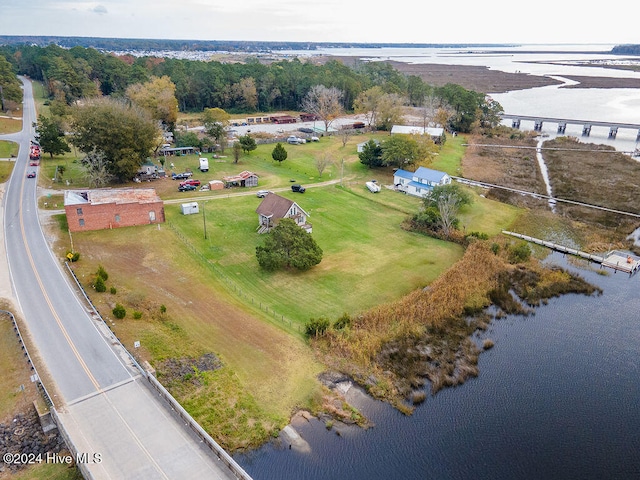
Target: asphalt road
(104, 404)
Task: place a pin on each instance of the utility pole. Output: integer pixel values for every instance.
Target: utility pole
(204, 219)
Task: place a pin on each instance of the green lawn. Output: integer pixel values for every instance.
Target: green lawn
(487, 216)
(5, 170)
(368, 258)
(8, 149)
(448, 160)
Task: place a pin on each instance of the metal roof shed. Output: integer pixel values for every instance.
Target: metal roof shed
(189, 208)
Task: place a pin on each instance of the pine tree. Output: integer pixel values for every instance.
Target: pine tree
(279, 154)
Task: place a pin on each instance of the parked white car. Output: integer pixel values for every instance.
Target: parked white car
(293, 140)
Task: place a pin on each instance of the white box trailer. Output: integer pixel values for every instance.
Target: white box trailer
(189, 208)
(204, 164)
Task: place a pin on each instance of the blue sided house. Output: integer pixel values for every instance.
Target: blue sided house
(420, 182)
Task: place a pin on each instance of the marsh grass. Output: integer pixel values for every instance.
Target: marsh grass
(418, 397)
(426, 333)
(580, 174)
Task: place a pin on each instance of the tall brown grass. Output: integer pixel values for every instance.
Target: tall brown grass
(380, 343)
(433, 308)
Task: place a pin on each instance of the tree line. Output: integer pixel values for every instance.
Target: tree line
(71, 74)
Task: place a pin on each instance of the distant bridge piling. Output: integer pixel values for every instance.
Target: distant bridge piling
(538, 123)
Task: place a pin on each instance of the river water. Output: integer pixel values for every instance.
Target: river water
(557, 397)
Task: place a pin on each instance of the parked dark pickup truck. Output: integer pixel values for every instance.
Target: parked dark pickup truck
(181, 176)
(298, 188)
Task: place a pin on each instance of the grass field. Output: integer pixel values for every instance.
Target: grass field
(10, 125)
(5, 170)
(366, 252)
(15, 374)
(8, 149)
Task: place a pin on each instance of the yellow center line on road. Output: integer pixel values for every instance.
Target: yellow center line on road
(75, 350)
(48, 300)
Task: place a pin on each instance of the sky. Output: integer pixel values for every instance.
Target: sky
(382, 21)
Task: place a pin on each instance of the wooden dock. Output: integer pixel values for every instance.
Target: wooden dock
(616, 260)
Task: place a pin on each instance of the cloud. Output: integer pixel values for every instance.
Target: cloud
(100, 10)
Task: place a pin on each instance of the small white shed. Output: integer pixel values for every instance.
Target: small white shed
(190, 208)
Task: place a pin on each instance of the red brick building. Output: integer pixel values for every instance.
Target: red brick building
(103, 208)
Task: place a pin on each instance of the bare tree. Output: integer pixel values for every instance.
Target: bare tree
(448, 207)
(322, 163)
(325, 103)
(237, 149)
(345, 136)
(96, 171)
(428, 109)
(448, 199)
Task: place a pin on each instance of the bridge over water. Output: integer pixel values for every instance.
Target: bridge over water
(562, 123)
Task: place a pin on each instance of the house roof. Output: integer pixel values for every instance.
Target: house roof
(421, 173)
(275, 206)
(429, 174)
(410, 129)
(241, 176)
(403, 174)
(110, 195)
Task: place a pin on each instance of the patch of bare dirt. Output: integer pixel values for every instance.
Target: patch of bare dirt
(187, 369)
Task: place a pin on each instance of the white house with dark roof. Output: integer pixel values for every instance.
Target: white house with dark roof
(274, 207)
(420, 182)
